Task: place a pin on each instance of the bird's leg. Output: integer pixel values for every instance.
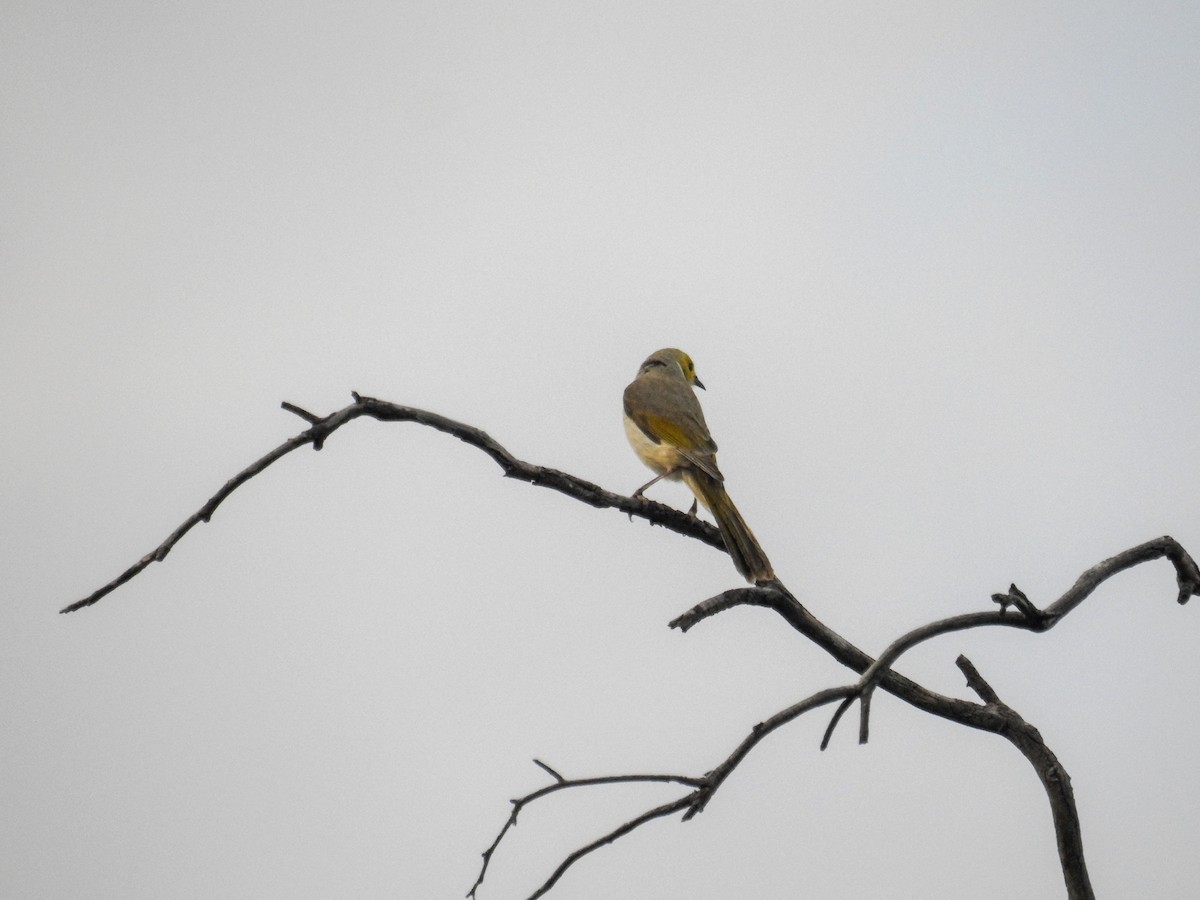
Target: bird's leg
(692, 511)
(653, 481)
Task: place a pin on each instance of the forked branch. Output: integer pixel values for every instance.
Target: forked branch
(703, 788)
(560, 784)
(1030, 618)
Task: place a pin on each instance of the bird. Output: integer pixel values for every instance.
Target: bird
(666, 428)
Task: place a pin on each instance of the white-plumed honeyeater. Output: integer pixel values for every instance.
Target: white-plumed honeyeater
(666, 427)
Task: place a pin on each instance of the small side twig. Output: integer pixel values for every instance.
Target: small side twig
(311, 418)
(545, 768)
(976, 683)
(561, 783)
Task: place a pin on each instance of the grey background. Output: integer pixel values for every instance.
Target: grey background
(937, 264)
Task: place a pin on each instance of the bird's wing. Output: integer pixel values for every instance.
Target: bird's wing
(670, 413)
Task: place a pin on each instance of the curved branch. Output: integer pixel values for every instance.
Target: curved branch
(1055, 781)
(694, 802)
(561, 783)
(717, 776)
(1187, 576)
(543, 476)
(774, 595)
(620, 831)
(204, 514)
(323, 426)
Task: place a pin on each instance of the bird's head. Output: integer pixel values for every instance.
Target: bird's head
(674, 361)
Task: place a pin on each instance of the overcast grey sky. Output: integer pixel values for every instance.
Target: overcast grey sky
(937, 264)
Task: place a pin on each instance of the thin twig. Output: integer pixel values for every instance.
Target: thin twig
(620, 831)
(717, 776)
(561, 783)
(204, 514)
(835, 718)
(541, 765)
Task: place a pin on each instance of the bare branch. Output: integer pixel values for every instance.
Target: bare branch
(322, 427)
(976, 683)
(717, 776)
(837, 717)
(311, 418)
(561, 783)
(541, 765)
(777, 597)
(1055, 781)
(719, 603)
(204, 514)
(1187, 575)
(865, 718)
(1016, 597)
(1031, 618)
(991, 715)
(694, 802)
(657, 813)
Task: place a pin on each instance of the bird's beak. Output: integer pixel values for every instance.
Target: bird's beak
(700, 384)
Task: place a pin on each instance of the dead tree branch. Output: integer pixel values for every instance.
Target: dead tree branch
(991, 715)
(1055, 781)
(1187, 577)
(703, 789)
(560, 784)
(323, 426)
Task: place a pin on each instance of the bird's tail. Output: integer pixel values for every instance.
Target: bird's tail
(748, 557)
